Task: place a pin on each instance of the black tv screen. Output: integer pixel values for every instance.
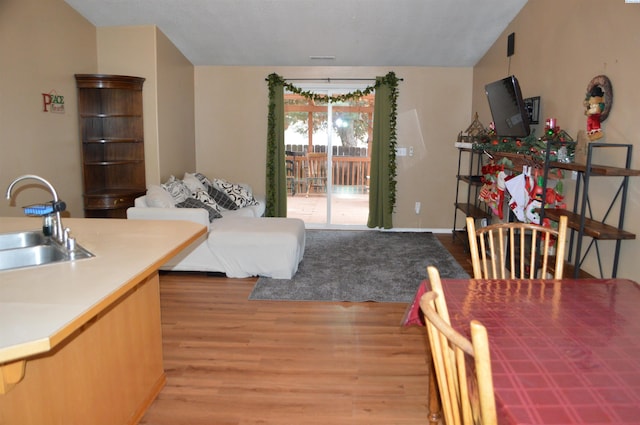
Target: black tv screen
(507, 108)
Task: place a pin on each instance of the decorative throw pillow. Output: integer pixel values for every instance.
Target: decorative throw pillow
(178, 190)
(195, 203)
(221, 199)
(193, 183)
(204, 197)
(240, 194)
(204, 180)
(157, 197)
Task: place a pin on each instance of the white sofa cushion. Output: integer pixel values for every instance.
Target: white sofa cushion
(142, 212)
(271, 247)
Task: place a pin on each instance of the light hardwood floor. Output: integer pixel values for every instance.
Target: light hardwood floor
(233, 361)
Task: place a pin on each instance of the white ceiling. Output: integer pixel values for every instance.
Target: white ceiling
(454, 33)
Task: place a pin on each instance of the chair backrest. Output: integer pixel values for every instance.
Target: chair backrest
(467, 398)
(316, 169)
(528, 243)
(316, 165)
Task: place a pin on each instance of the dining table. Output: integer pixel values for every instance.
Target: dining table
(562, 351)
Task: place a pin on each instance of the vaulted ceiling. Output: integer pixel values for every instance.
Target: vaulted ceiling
(454, 33)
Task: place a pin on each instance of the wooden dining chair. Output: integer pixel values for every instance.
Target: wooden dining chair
(466, 399)
(316, 171)
(495, 248)
(291, 176)
(295, 180)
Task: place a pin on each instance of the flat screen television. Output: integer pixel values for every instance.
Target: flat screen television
(507, 108)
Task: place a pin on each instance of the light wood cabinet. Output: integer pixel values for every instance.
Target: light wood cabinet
(106, 373)
(112, 138)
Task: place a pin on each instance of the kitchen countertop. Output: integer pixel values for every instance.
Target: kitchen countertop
(41, 306)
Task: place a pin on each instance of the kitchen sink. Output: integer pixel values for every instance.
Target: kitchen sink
(22, 239)
(29, 249)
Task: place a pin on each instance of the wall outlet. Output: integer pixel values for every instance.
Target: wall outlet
(574, 175)
(418, 205)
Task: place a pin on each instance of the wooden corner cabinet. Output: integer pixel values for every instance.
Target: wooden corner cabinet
(112, 138)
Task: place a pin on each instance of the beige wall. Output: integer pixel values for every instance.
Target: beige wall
(144, 51)
(132, 51)
(559, 47)
(433, 106)
(176, 126)
(42, 45)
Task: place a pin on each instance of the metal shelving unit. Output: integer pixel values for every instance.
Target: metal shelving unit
(469, 204)
(581, 220)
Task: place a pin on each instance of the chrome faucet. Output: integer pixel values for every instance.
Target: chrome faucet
(59, 235)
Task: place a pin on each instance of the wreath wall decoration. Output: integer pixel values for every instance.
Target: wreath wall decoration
(597, 104)
(603, 82)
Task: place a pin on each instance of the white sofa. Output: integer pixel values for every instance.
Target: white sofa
(241, 243)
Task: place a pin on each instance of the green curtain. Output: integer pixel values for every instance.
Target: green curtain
(382, 188)
(276, 191)
(382, 184)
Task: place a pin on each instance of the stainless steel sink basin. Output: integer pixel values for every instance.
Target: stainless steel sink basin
(21, 239)
(28, 249)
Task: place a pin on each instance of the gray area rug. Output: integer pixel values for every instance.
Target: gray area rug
(345, 265)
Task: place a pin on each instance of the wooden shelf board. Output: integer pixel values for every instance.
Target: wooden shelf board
(120, 162)
(593, 228)
(596, 170)
(471, 210)
(112, 140)
(519, 160)
(472, 180)
(100, 115)
(116, 191)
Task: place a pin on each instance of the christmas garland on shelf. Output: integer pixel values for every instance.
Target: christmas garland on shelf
(563, 148)
(531, 183)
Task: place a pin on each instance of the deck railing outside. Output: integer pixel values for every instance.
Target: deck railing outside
(347, 170)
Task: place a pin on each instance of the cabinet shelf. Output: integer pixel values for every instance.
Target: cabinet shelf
(110, 116)
(114, 191)
(101, 140)
(116, 162)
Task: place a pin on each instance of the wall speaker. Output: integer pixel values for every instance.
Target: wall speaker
(511, 44)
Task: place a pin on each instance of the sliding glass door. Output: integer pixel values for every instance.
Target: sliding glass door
(328, 155)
